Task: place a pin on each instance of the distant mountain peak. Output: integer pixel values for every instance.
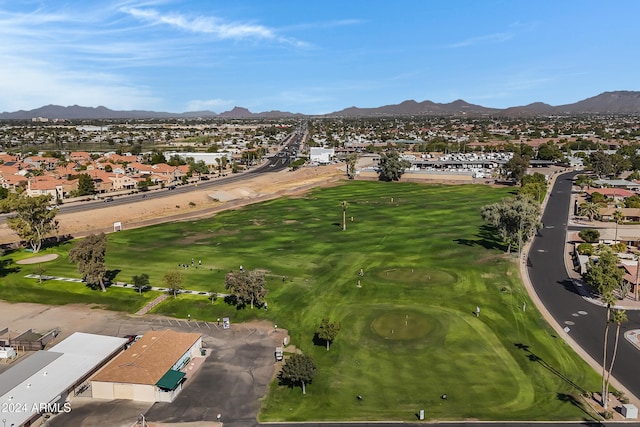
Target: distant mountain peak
(613, 102)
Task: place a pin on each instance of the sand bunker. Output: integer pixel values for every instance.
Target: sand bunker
(38, 259)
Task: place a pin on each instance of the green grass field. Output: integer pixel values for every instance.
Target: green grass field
(409, 333)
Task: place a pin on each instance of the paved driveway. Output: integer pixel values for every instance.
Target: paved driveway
(230, 381)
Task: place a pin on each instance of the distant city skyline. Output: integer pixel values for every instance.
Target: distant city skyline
(312, 57)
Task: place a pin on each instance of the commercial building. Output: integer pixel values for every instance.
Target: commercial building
(150, 370)
(42, 382)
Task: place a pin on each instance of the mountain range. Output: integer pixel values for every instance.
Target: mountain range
(617, 102)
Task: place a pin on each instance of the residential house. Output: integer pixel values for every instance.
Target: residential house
(45, 185)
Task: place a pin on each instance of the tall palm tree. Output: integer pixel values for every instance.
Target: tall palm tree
(589, 209)
(635, 285)
(344, 204)
(609, 300)
(618, 317)
(617, 217)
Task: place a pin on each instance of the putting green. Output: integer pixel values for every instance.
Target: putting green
(402, 325)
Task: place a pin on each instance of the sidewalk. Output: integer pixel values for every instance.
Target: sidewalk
(632, 336)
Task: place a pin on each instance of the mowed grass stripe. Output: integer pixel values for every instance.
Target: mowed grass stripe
(425, 253)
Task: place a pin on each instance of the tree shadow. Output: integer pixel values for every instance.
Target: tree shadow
(318, 341)
(486, 237)
(568, 285)
(234, 300)
(110, 275)
(537, 359)
(52, 242)
(5, 269)
(563, 397)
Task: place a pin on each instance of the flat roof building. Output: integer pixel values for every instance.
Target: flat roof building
(41, 382)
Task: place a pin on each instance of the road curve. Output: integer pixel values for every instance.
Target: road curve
(552, 284)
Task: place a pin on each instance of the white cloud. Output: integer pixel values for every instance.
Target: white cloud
(488, 39)
(31, 84)
(209, 25)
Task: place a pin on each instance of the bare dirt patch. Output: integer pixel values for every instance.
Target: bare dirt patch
(192, 205)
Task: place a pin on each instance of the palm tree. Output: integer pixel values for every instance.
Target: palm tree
(617, 217)
(589, 209)
(583, 181)
(344, 205)
(618, 317)
(608, 299)
(635, 285)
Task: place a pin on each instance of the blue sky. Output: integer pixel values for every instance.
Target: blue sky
(313, 57)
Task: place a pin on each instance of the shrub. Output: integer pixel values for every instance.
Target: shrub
(590, 235)
(619, 247)
(585, 249)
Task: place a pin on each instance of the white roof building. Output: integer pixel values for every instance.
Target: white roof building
(42, 382)
(321, 155)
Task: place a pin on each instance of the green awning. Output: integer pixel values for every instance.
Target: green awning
(170, 380)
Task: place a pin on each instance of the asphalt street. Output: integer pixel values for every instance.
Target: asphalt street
(549, 277)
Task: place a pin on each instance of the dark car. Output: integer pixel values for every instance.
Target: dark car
(108, 199)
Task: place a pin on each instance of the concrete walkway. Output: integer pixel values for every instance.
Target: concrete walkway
(118, 285)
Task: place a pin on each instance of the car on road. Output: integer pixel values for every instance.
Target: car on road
(108, 199)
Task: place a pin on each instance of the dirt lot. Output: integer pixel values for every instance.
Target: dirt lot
(198, 203)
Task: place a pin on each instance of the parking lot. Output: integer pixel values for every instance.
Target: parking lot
(230, 381)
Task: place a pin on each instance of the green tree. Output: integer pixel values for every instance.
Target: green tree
(600, 163)
(86, 186)
(535, 190)
(549, 151)
(140, 282)
(327, 331)
(603, 275)
(632, 202)
(33, 218)
(583, 181)
(516, 167)
(597, 197)
(90, 253)
(199, 167)
(298, 369)
(173, 280)
(247, 287)
(213, 295)
(590, 235)
(391, 166)
(619, 164)
(585, 249)
(144, 184)
(344, 205)
(516, 219)
(589, 209)
(157, 157)
(618, 216)
(222, 163)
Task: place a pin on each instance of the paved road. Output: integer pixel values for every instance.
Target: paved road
(276, 163)
(554, 287)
